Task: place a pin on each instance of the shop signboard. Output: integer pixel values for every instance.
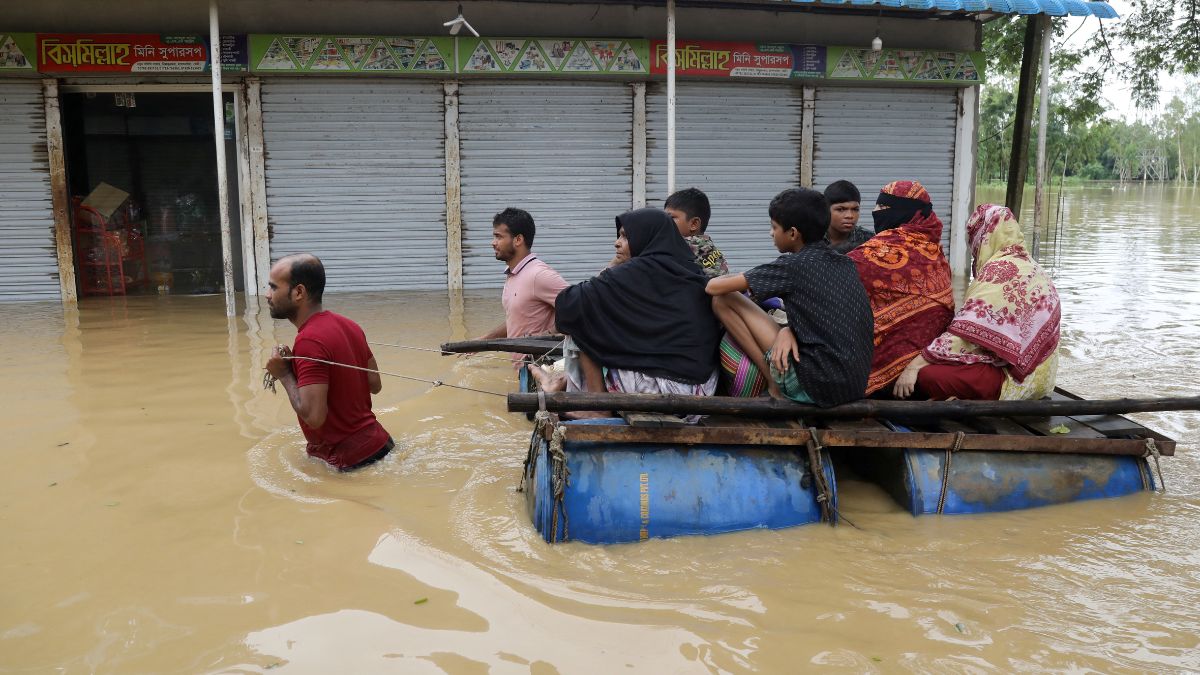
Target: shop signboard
(553, 56)
(134, 53)
(351, 54)
(17, 51)
(702, 58)
(906, 65)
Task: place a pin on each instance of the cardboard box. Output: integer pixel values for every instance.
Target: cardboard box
(106, 199)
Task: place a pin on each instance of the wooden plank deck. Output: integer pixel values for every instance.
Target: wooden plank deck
(1087, 434)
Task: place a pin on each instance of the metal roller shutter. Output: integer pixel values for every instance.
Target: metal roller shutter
(355, 173)
(28, 256)
(740, 144)
(872, 137)
(560, 150)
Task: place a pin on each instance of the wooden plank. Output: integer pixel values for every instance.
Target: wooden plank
(954, 426)
(1112, 425)
(790, 438)
(861, 424)
(636, 419)
(1109, 425)
(1043, 425)
(999, 425)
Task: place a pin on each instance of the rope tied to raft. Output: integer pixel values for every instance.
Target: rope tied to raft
(540, 420)
(560, 476)
(958, 441)
(269, 379)
(824, 491)
(541, 359)
(1152, 451)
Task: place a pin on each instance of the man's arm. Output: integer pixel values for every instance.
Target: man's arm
(311, 402)
(727, 283)
(373, 378)
(500, 331)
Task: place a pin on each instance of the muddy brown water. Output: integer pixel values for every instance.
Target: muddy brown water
(158, 513)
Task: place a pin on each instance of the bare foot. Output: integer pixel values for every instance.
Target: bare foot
(587, 414)
(548, 381)
(776, 392)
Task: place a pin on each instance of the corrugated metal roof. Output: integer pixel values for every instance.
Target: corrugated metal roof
(1095, 8)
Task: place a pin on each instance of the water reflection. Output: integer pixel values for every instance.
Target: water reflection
(163, 516)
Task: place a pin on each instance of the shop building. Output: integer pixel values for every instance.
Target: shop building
(363, 133)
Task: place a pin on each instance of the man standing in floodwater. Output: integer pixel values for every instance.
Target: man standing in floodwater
(332, 402)
(530, 285)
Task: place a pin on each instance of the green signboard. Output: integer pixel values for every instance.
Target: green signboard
(18, 51)
(359, 54)
(553, 56)
(904, 65)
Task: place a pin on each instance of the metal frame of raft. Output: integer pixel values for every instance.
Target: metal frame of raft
(640, 476)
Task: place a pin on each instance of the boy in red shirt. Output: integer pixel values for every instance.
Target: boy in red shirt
(332, 402)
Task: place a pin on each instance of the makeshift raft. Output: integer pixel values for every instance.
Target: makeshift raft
(647, 475)
(758, 463)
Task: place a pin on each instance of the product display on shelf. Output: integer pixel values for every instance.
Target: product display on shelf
(109, 241)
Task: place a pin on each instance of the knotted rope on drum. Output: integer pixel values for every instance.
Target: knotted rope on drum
(1152, 451)
(817, 466)
(560, 476)
(958, 441)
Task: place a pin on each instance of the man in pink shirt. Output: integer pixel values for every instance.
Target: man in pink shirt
(530, 285)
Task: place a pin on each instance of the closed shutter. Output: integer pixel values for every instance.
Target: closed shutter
(740, 144)
(355, 173)
(28, 257)
(872, 137)
(559, 150)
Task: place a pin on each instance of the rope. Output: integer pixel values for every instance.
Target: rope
(958, 439)
(538, 361)
(560, 476)
(269, 379)
(1152, 451)
(824, 492)
(535, 445)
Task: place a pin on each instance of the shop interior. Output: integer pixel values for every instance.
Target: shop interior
(141, 170)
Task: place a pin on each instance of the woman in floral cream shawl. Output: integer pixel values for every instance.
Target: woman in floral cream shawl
(1003, 342)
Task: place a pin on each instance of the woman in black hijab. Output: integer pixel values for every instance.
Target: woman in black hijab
(648, 320)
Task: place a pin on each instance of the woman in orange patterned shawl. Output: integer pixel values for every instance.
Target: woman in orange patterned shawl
(907, 279)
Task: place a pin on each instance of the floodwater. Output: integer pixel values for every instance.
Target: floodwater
(158, 513)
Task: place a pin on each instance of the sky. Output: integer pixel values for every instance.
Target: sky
(1117, 93)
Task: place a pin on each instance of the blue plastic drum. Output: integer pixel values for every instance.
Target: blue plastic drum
(986, 482)
(626, 493)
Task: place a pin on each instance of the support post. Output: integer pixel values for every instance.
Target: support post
(963, 192)
(639, 144)
(257, 189)
(249, 264)
(59, 196)
(670, 96)
(454, 262)
(214, 36)
(808, 109)
(1039, 179)
(1018, 165)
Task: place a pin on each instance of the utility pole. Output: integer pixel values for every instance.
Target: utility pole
(1018, 166)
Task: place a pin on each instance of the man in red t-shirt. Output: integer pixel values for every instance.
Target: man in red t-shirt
(332, 402)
